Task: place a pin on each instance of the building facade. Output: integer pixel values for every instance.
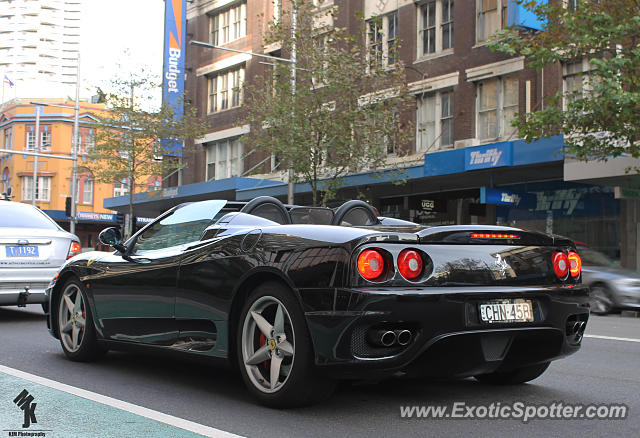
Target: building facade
(465, 163)
(53, 185)
(39, 46)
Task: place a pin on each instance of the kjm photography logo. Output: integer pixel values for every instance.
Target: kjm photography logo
(25, 402)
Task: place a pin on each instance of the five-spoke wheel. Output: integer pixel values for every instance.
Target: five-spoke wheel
(72, 318)
(268, 344)
(275, 351)
(75, 325)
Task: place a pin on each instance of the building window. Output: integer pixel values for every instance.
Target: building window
(8, 139)
(575, 78)
(447, 24)
(392, 34)
(45, 139)
(6, 180)
(86, 143)
(573, 5)
(381, 39)
(446, 119)
(277, 7)
(435, 26)
(224, 159)
(375, 41)
(120, 189)
(84, 191)
(434, 121)
(228, 25)
(213, 95)
(225, 90)
(43, 188)
(491, 17)
(496, 108)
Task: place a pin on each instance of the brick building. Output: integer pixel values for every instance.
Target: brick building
(465, 164)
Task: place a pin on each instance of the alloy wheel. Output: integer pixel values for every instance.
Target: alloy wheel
(72, 318)
(268, 344)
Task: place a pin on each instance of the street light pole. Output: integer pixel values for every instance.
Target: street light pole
(294, 61)
(74, 153)
(36, 149)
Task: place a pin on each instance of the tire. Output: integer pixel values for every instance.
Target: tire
(273, 344)
(514, 377)
(600, 300)
(75, 324)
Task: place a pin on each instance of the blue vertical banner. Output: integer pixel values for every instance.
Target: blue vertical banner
(175, 23)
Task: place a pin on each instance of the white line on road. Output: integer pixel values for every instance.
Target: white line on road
(123, 405)
(612, 338)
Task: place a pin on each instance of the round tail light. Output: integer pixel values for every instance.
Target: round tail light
(370, 264)
(561, 265)
(575, 264)
(410, 264)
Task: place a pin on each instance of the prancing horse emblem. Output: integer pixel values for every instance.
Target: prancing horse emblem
(502, 264)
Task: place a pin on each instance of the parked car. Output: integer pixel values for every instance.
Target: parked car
(32, 249)
(612, 288)
(297, 297)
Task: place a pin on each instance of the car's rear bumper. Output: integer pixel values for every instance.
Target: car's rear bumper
(448, 337)
(18, 294)
(20, 286)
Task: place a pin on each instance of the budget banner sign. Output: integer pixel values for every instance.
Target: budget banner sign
(175, 12)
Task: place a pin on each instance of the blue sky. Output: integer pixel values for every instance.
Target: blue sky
(118, 32)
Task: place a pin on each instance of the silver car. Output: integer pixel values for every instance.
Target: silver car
(32, 249)
(612, 288)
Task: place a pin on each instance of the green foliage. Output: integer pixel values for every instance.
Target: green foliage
(333, 124)
(603, 121)
(127, 140)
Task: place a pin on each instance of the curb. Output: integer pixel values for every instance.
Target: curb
(630, 314)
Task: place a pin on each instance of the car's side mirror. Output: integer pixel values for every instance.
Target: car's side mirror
(112, 237)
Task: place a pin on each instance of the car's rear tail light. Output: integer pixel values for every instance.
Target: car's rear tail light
(371, 264)
(561, 265)
(575, 264)
(493, 236)
(410, 264)
(74, 250)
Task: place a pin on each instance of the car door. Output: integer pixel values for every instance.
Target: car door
(134, 294)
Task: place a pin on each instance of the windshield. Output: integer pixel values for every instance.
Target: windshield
(185, 224)
(596, 258)
(15, 215)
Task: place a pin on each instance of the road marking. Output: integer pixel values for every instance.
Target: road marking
(122, 405)
(612, 338)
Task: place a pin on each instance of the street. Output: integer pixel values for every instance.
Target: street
(604, 371)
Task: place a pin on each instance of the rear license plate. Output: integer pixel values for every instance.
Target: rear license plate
(22, 251)
(507, 311)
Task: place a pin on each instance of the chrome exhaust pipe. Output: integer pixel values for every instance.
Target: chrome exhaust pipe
(387, 338)
(404, 337)
(576, 326)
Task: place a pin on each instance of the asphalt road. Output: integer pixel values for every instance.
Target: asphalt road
(603, 371)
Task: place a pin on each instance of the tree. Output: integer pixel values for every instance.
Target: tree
(601, 119)
(130, 138)
(343, 114)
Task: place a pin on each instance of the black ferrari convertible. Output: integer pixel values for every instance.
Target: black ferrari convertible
(298, 297)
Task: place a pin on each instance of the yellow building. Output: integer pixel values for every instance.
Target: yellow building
(17, 132)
